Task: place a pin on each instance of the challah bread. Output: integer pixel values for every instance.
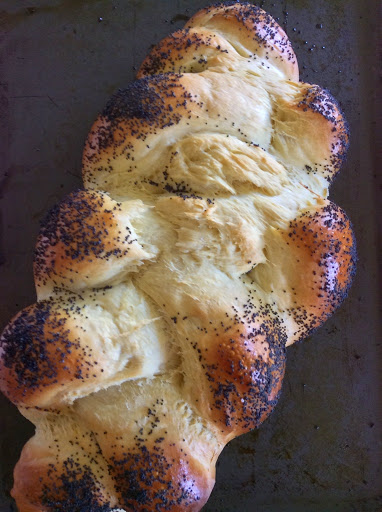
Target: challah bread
(87, 241)
(202, 245)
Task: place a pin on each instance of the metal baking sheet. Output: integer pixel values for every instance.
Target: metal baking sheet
(60, 60)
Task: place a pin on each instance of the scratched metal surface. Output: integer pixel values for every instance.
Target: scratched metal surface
(60, 60)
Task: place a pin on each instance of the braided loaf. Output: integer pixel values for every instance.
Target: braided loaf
(202, 245)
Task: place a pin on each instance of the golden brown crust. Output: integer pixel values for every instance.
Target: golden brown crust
(242, 363)
(50, 478)
(312, 264)
(160, 477)
(157, 476)
(122, 134)
(48, 487)
(313, 117)
(66, 347)
(43, 350)
(323, 246)
(331, 128)
(253, 29)
(85, 241)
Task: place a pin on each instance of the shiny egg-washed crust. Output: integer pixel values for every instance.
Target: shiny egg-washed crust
(90, 231)
(168, 288)
(214, 33)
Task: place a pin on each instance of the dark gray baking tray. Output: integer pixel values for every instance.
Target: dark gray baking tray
(320, 451)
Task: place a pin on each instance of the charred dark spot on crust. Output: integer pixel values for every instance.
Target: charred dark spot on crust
(155, 480)
(72, 489)
(322, 102)
(172, 53)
